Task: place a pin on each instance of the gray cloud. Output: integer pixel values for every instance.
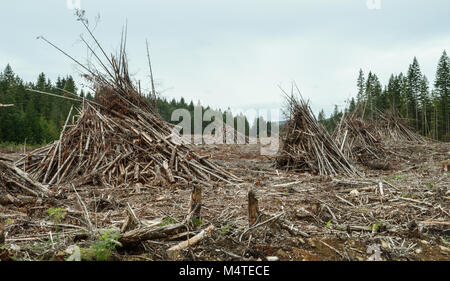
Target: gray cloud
(235, 53)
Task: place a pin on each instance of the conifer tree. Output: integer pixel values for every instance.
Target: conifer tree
(442, 88)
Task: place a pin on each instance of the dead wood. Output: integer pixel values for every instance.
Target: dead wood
(11, 176)
(390, 125)
(253, 209)
(118, 135)
(359, 141)
(151, 233)
(195, 203)
(307, 146)
(173, 251)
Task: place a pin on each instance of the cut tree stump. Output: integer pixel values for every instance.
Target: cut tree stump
(253, 210)
(195, 203)
(2, 234)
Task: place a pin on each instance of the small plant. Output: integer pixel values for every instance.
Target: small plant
(56, 215)
(167, 221)
(376, 227)
(9, 222)
(411, 195)
(430, 185)
(197, 222)
(101, 250)
(328, 224)
(225, 229)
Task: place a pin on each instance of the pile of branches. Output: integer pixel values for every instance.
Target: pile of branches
(359, 141)
(13, 179)
(118, 138)
(307, 146)
(391, 126)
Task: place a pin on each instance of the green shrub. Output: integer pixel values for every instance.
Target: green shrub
(102, 249)
(56, 215)
(167, 221)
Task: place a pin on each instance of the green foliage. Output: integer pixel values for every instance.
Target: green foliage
(410, 195)
(427, 110)
(9, 146)
(376, 227)
(225, 229)
(56, 215)
(197, 222)
(38, 119)
(165, 109)
(167, 221)
(35, 118)
(101, 250)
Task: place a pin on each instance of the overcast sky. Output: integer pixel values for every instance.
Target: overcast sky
(235, 53)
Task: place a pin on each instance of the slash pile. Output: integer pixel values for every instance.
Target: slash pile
(14, 179)
(307, 146)
(115, 148)
(119, 138)
(392, 126)
(359, 141)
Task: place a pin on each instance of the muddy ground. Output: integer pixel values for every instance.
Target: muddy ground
(402, 213)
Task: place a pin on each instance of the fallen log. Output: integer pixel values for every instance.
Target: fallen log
(6, 158)
(150, 233)
(173, 251)
(12, 175)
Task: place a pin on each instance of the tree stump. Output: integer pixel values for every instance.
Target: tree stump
(195, 202)
(253, 210)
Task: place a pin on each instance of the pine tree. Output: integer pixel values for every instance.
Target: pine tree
(361, 88)
(414, 78)
(442, 88)
(321, 117)
(352, 105)
(425, 106)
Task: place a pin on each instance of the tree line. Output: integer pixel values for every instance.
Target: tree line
(38, 118)
(425, 107)
(34, 118)
(259, 126)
